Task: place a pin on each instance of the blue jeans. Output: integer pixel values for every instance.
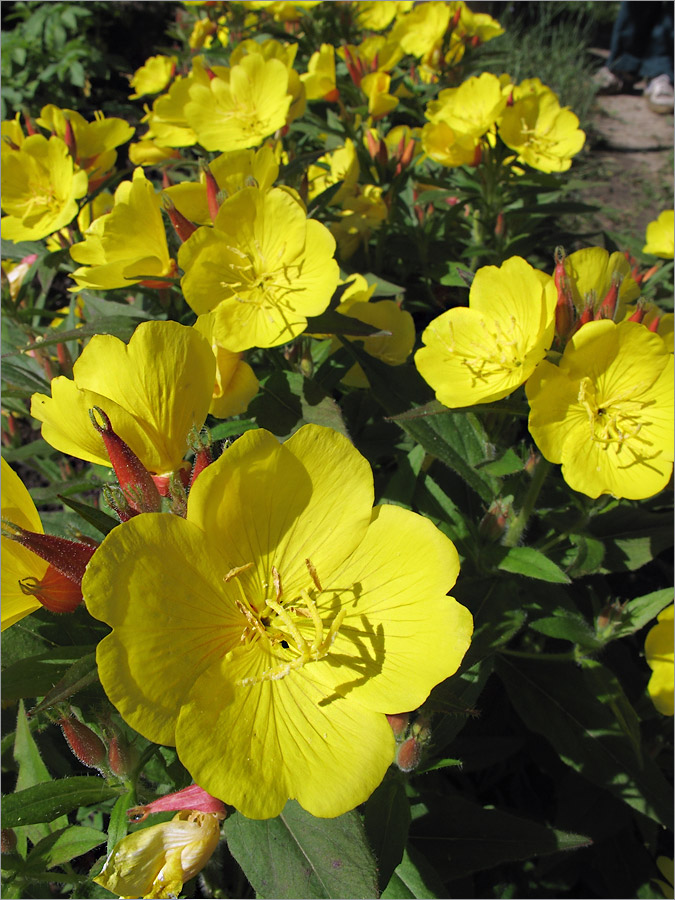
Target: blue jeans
(642, 40)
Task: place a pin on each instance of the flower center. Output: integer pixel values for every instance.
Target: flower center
(496, 351)
(615, 422)
(278, 626)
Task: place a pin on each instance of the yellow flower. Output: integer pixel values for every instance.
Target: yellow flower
(376, 15)
(285, 53)
(128, 245)
(153, 76)
(484, 352)
(659, 656)
(235, 385)
(606, 412)
(148, 153)
(40, 188)
(264, 267)
(202, 34)
(376, 88)
(447, 146)
(18, 562)
(155, 862)
(282, 10)
(154, 390)
(393, 348)
(545, 135)
(102, 203)
(93, 142)
(479, 25)
(470, 109)
(422, 28)
(168, 126)
(242, 106)
(591, 272)
(659, 236)
(338, 165)
(232, 171)
(375, 53)
(319, 80)
(304, 616)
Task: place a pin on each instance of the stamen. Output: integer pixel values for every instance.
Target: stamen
(313, 575)
(276, 578)
(234, 573)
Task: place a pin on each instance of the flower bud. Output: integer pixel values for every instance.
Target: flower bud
(408, 755)
(69, 139)
(607, 307)
(399, 723)
(183, 227)
(86, 745)
(212, 191)
(7, 840)
(654, 324)
(121, 755)
(200, 442)
(136, 482)
(70, 558)
(191, 797)
(639, 313)
(55, 591)
(493, 524)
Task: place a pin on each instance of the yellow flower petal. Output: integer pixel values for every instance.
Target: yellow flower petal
(659, 656)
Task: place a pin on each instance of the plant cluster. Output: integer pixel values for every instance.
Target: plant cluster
(321, 353)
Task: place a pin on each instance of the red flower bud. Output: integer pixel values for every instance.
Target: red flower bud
(639, 313)
(408, 755)
(607, 308)
(121, 756)
(85, 744)
(136, 482)
(212, 190)
(183, 227)
(399, 723)
(654, 324)
(163, 482)
(191, 797)
(493, 524)
(70, 558)
(332, 96)
(69, 138)
(55, 591)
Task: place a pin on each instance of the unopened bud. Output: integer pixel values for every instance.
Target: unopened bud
(493, 524)
(116, 500)
(477, 155)
(607, 307)
(212, 191)
(191, 797)
(70, 558)
(86, 745)
(69, 139)
(654, 324)
(399, 723)
(121, 756)
(200, 442)
(135, 480)
(639, 313)
(7, 840)
(499, 224)
(54, 591)
(408, 755)
(565, 312)
(183, 227)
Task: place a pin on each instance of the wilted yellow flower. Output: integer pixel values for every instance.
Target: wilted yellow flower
(545, 135)
(659, 656)
(92, 144)
(232, 171)
(235, 385)
(606, 412)
(153, 76)
(304, 615)
(40, 188)
(319, 80)
(484, 352)
(242, 106)
(155, 862)
(154, 390)
(263, 268)
(127, 245)
(659, 236)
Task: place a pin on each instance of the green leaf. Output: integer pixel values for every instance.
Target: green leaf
(568, 628)
(532, 563)
(640, 611)
(475, 838)
(119, 326)
(118, 825)
(387, 821)
(101, 521)
(297, 855)
(333, 322)
(507, 464)
(45, 802)
(289, 400)
(80, 675)
(232, 428)
(414, 878)
(558, 701)
(633, 536)
(38, 675)
(64, 845)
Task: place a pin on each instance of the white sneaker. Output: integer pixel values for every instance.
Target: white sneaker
(659, 94)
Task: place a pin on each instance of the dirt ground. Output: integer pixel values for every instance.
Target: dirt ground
(632, 161)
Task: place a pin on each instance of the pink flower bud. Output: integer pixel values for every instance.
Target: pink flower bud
(183, 227)
(399, 723)
(86, 745)
(191, 797)
(408, 755)
(70, 558)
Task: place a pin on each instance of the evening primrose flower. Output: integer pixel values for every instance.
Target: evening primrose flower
(40, 188)
(128, 245)
(305, 616)
(659, 235)
(606, 412)
(484, 352)
(591, 273)
(544, 135)
(319, 80)
(155, 862)
(422, 28)
(168, 125)
(242, 106)
(338, 165)
(92, 144)
(263, 268)
(659, 656)
(363, 211)
(235, 385)
(376, 15)
(154, 390)
(153, 76)
(285, 53)
(472, 108)
(375, 86)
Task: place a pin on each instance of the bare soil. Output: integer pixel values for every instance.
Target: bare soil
(630, 163)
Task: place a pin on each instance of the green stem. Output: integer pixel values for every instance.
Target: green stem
(541, 657)
(517, 527)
